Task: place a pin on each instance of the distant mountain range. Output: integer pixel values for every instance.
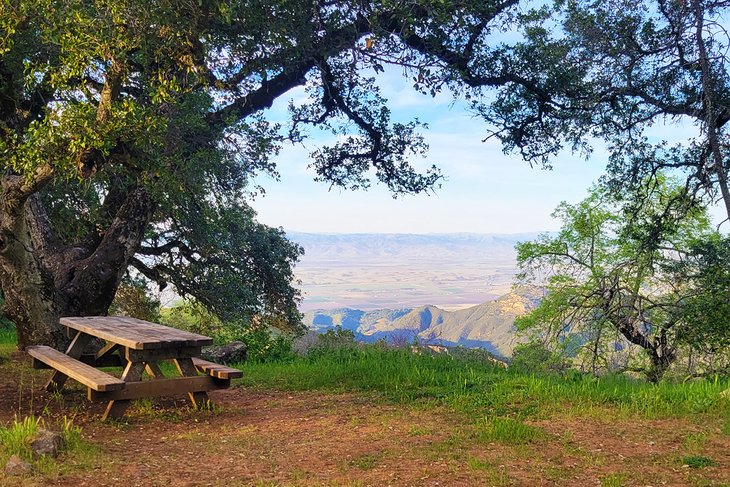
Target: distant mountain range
(489, 325)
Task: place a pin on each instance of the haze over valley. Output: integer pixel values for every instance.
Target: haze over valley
(371, 271)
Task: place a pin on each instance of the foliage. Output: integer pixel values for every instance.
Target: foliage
(609, 273)
(337, 337)
(707, 307)
(135, 131)
(535, 357)
(194, 317)
(16, 438)
(263, 343)
(610, 70)
(133, 299)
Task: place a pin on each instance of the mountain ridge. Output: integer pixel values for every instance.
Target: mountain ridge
(489, 325)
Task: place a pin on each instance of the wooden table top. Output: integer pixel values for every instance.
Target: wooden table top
(134, 333)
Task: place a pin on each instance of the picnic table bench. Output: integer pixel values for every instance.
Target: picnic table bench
(138, 346)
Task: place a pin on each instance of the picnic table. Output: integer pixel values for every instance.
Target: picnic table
(138, 346)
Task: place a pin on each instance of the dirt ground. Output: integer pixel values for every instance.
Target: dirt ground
(271, 438)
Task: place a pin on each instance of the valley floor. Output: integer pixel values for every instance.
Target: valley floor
(265, 437)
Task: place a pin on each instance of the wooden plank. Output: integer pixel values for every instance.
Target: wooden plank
(134, 333)
(90, 359)
(79, 371)
(107, 349)
(74, 350)
(153, 370)
(216, 370)
(162, 387)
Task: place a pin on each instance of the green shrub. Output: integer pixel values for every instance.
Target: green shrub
(535, 358)
(263, 344)
(337, 343)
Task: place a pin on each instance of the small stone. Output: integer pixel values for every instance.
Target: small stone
(47, 443)
(17, 467)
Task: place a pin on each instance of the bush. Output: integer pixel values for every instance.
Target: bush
(535, 358)
(263, 345)
(133, 299)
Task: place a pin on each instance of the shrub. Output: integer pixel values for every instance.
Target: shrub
(535, 358)
(263, 344)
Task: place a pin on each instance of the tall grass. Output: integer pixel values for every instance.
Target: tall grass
(16, 438)
(8, 339)
(479, 388)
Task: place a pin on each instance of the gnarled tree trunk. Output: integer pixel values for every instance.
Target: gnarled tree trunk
(43, 279)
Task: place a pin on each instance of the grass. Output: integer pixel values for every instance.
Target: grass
(8, 342)
(478, 388)
(612, 480)
(15, 439)
(509, 431)
(698, 461)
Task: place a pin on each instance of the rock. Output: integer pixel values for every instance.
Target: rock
(17, 467)
(47, 443)
(230, 353)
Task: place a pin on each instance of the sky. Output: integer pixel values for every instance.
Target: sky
(485, 191)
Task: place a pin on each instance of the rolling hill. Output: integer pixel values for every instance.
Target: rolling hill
(489, 325)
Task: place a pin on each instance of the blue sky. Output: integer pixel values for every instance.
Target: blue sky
(485, 191)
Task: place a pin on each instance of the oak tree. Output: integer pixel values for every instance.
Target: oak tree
(612, 277)
(129, 133)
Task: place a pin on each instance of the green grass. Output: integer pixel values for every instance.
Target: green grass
(481, 389)
(698, 461)
(612, 480)
(8, 342)
(16, 438)
(508, 430)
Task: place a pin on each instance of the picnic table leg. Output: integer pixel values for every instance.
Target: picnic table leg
(132, 373)
(187, 369)
(153, 370)
(74, 350)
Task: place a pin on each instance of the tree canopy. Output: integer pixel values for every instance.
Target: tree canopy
(609, 71)
(617, 275)
(131, 130)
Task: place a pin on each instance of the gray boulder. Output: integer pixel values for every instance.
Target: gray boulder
(229, 353)
(47, 443)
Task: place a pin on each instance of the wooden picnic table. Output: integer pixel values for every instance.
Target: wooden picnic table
(138, 346)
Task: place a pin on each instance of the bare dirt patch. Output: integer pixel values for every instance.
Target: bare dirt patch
(282, 438)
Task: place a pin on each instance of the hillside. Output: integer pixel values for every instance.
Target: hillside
(488, 325)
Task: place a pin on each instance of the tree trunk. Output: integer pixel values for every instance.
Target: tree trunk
(43, 280)
(659, 366)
